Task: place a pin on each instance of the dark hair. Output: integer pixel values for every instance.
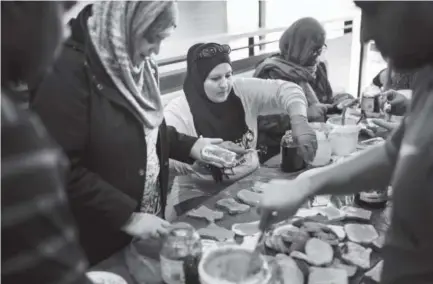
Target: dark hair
(401, 30)
(30, 35)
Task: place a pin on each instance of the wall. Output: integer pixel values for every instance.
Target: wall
(196, 19)
(284, 12)
(205, 18)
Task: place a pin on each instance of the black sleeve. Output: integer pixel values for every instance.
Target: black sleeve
(34, 210)
(62, 103)
(180, 145)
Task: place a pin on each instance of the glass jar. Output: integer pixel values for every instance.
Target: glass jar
(291, 158)
(180, 255)
(372, 199)
(369, 101)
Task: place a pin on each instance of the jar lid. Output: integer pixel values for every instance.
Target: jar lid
(104, 277)
(370, 92)
(288, 140)
(181, 229)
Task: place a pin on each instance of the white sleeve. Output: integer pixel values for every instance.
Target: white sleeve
(269, 96)
(176, 117)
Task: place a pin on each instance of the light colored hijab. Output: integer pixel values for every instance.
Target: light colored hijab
(112, 28)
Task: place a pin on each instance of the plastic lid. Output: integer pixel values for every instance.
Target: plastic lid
(181, 229)
(103, 277)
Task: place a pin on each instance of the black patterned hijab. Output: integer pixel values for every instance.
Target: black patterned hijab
(224, 120)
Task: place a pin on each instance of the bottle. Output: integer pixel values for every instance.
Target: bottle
(291, 159)
(180, 255)
(372, 199)
(368, 100)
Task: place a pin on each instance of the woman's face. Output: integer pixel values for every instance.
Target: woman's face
(146, 46)
(219, 83)
(317, 55)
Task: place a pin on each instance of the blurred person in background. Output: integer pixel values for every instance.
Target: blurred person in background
(395, 88)
(298, 61)
(38, 239)
(218, 105)
(102, 105)
(400, 31)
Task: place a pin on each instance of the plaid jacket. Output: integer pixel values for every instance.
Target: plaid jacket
(38, 239)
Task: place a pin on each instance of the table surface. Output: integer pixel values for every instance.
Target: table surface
(270, 170)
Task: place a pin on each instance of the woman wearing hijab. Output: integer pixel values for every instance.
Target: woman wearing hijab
(298, 61)
(405, 160)
(217, 105)
(395, 88)
(102, 105)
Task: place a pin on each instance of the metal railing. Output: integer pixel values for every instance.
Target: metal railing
(172, 80)
(250, 36)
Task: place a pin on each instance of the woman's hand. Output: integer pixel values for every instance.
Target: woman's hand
(197, 148)
(231, 146)
(203, 142)
(146, 226)
(399, 104)
(283, 198)
(385, 124)
(317, 112)
(305, 136)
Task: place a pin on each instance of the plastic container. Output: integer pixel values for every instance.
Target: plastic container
(324, 147)
(344, 138)
(219, 155)
(263, 276)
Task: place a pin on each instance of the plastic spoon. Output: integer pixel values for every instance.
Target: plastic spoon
(347, 106)
(263, 226)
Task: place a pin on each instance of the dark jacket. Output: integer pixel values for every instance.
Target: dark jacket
(103, 138)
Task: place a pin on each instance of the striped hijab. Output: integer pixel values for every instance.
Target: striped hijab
(112, 27)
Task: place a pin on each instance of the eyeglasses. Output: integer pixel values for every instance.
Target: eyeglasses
(318, 52)
(209, 52)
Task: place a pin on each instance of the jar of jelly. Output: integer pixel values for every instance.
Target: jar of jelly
(291, 158)
(180, 255)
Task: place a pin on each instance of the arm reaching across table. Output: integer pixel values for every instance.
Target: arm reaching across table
(371, 169)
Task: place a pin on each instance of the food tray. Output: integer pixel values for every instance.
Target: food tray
(358, 278)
